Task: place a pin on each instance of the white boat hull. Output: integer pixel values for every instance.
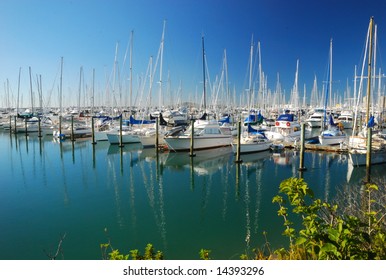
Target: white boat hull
(247, 148)
(182, 143)
(332, 140)
(358, 157)
(127, 138)
(148, 141)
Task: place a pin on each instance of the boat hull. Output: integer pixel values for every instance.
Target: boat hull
(181, 143)
(358, 157)
(331, 140)
(248, 148)
(114, 138)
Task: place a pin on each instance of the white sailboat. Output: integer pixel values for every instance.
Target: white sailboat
(251, 140)
(365, 149)
(206, 135)
(333, 135)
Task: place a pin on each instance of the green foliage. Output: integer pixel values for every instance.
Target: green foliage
(114, 254)
(325, 234)
(109, 253)
(204, 254)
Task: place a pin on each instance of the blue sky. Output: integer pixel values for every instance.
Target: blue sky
(37, 33)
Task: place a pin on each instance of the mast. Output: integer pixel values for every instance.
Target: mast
(61, 86)
(80, 87)
(161, 63)
(203, 71)
(330, 84)
(369, 71)
(18, 92)
(93, 91)
(32, 98)
(260, 98)
(250, 89)
(131, 68)
(329, 88)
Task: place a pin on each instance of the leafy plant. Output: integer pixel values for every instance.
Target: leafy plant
(325, 234)
(109, 253)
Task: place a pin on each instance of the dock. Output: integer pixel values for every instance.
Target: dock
(340, 149)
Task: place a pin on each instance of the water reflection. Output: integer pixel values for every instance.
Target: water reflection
(177, 202)
(203, 164)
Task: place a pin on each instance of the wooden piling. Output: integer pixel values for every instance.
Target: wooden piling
(92, 131)
(238, 159)
(39, 127)
(191, 153)
(120, 133)
(302, 139)
(156, 135)
(72, 129)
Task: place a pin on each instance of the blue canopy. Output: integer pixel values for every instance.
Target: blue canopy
(371, 122)
(134, 121)
(331, 121)
(286, 117)
(225, 119)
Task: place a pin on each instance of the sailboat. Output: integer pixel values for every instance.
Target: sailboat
(333, 135)
(364, 149)
(206, 134)
(252, 140)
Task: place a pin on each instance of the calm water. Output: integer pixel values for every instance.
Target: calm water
(178, 204)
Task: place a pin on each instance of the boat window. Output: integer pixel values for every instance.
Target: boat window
(212, 131)
(198, 131)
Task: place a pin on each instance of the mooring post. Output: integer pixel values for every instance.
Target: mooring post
(60, 126)
(72, 129)
(26, 127)
(238, 160)
(368, 154)
(302, 139)
(191, 153)
(156, 135)
(10, 124)
(120, 133)
(39, 127)
(92, 131)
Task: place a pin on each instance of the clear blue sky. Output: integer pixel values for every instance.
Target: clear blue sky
(37, 33)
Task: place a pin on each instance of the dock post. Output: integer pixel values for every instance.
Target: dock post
(26, 127)
(10, 124)
(368, 154)
(72, 129)
(120, 133)
(302, 139)
(191, 153)
(238, 160)
(39, 127)
(60, 126)
(92, 131)
(156, 134)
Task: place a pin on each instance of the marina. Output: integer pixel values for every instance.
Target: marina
(174, 126)
(133, 196)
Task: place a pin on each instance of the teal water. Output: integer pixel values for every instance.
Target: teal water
(96, 193)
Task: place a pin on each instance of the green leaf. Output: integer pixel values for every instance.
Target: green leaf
(301, 240)
(333, 234)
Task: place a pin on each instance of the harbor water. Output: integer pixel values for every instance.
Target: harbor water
(94, 194)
